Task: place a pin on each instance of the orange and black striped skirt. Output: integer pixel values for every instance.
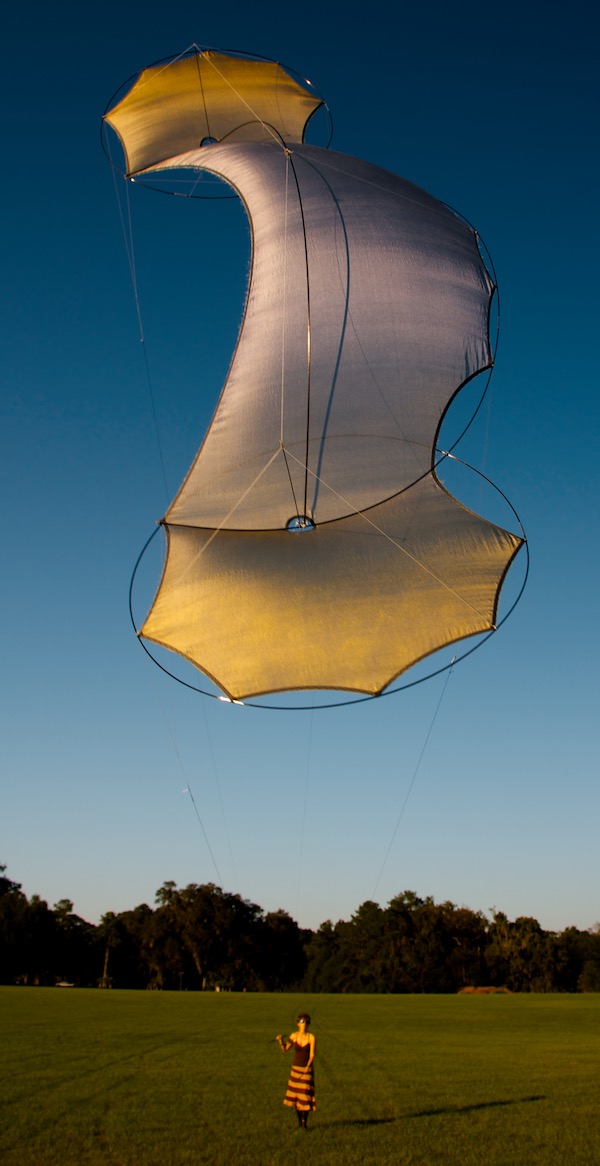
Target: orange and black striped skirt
(301, 1090)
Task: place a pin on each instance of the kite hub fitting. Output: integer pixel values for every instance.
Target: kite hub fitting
(300, 524)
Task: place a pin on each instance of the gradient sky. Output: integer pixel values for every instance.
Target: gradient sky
(492, 110)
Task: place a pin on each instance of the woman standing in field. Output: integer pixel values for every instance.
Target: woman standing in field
(300, 1093)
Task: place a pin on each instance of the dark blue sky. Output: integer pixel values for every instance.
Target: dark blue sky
(493, 111)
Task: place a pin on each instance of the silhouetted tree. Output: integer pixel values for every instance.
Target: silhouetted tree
(75, 946)
(282, 952)
(200, 936)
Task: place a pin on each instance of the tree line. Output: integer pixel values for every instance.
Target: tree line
(200, 937)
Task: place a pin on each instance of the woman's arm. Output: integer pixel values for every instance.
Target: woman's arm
(313, 1048)
(284, 1045)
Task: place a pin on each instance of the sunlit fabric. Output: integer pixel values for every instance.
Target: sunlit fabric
(349, 605)
(367, 310)
(178, 105)
(398, 300)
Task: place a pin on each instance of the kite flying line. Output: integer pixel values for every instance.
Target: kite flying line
(188, 788)
(414, 776)
(304, 804)
(127, 230)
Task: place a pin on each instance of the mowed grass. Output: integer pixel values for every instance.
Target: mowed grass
(169, 1079)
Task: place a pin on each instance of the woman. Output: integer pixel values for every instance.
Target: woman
(301, 1085)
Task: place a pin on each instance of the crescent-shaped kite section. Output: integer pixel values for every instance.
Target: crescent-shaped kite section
(312, 545)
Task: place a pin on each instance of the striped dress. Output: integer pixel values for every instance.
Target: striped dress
(301, 1085)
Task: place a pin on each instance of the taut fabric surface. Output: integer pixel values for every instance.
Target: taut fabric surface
(177, 105)
(397, 299)
(367, 310)
(349, 605)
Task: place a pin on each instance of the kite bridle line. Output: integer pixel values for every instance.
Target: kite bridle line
(364, 515)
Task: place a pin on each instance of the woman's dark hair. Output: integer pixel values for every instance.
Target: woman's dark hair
(304, 1016)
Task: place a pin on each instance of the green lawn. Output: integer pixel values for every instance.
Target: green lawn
(169, 1079)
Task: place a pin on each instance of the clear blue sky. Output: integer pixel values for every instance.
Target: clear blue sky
(490, 109)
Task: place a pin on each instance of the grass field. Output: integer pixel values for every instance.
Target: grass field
(169, 1079)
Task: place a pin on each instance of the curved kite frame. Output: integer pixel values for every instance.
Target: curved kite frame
(357, 699)
(188, 52)
(438, 454)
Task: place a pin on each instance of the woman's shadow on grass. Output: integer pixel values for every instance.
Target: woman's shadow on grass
(439, 1111)
(476, 1105)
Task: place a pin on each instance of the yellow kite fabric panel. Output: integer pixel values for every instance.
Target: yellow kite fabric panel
(349, 605)
(207, 97)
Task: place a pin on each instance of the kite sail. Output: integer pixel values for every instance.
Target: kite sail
(312, 544)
